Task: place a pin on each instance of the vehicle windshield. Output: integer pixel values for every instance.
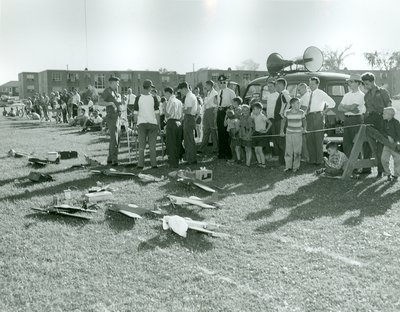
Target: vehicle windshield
(253, 92)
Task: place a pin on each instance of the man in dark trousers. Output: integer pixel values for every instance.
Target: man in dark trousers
(281, 103)
(112, 102)
(173, 117)
(225, 100)
(376, 99)
(189, 122)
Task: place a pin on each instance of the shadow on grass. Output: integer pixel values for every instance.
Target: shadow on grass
(118, 222)
(195, 242)
(329, 198)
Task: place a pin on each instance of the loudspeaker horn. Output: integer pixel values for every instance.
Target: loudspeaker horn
(312, 61)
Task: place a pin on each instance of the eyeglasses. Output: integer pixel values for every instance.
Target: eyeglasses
(222, 82)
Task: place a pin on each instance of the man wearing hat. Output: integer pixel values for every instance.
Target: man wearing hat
(112, 102)
(225, 100)
(353, 107)
(146, 114)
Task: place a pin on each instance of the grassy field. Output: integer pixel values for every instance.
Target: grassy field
(298, 242)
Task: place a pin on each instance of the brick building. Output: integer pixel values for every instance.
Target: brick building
(10, 88)
(242, 77)
(56, 80)
(28, 84)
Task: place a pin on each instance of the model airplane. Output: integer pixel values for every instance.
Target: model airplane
(196, 183)
(192, 200)
(13, 153)
(181, 225)
(148, 178)
(65, 210)
(114, 173)
(131, 210)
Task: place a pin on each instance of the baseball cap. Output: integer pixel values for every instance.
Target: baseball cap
(147, 84)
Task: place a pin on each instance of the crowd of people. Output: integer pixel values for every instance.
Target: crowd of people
(288, 128)
(291, 128)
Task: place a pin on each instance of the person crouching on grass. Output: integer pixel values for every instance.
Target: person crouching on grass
(260, 129)
(246, 128)
(295, 119)
(391, 130)
(232, 126)
(334, 165)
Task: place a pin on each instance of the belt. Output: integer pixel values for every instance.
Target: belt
(173, 119)
(310, 113)
(223, 108)
(353, 115)
(214, 107)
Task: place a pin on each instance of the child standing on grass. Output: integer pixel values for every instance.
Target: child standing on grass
(391, 130)
(295, 119)
(260, 129)
(246, 128)
(232, 126)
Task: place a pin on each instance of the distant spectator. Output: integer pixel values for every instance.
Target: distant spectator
(391, 130)
(93, 123)
(75, 102)
(45, 106)
(130, 101)
(4, 111)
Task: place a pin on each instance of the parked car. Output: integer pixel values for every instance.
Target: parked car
(4, 98)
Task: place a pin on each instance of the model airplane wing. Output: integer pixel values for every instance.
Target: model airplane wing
(212, 233)
(189, 201)
(62, 213)
(203, 187)
(72, 209)
(129, 214)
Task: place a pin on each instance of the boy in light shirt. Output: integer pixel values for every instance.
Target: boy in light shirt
(260, 129)
(295, 119)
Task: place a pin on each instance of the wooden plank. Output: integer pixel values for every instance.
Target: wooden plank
(355, 152)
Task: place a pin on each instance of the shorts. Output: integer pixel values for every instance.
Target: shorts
(246, 143)
(259, 139)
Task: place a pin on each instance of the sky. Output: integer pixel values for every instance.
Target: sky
(36, 35)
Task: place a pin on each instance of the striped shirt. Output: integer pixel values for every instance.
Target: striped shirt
(294, 120)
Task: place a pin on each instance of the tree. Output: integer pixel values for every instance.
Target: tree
(163, 70)
(248, 64)
(334, 59)
(383, 60)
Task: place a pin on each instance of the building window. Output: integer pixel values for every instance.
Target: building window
(228, 76)
(56, 76)
(337, 90)
(30, 77)
(165, 79)
(30, 88)
(99, 81)
(72, 77)
(246, 76)
(124, 90)
(124, 77)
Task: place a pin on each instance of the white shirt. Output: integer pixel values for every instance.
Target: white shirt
(173, 108)
(210, 101)
(271, 103)
(75, 99)
(97, 120)
(305, 100)
(130, 99)
(319, 99)
(146, 108)
(191, 102)
(354, 98)
(227, 96)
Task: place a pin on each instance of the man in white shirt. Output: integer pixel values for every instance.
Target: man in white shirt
(353, 107)
(147, 117)
(75, 100)
(225, 100)
(209, 117)
(174, 132)
(189, 122)
(318, 104)
(302, 88)
(271, 99)
(130, 101)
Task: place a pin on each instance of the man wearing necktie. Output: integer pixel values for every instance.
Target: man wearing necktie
(226, 97)
(318, 105)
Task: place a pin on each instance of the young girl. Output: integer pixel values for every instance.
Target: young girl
(260, 126)
(246, 128)
(232, 126)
